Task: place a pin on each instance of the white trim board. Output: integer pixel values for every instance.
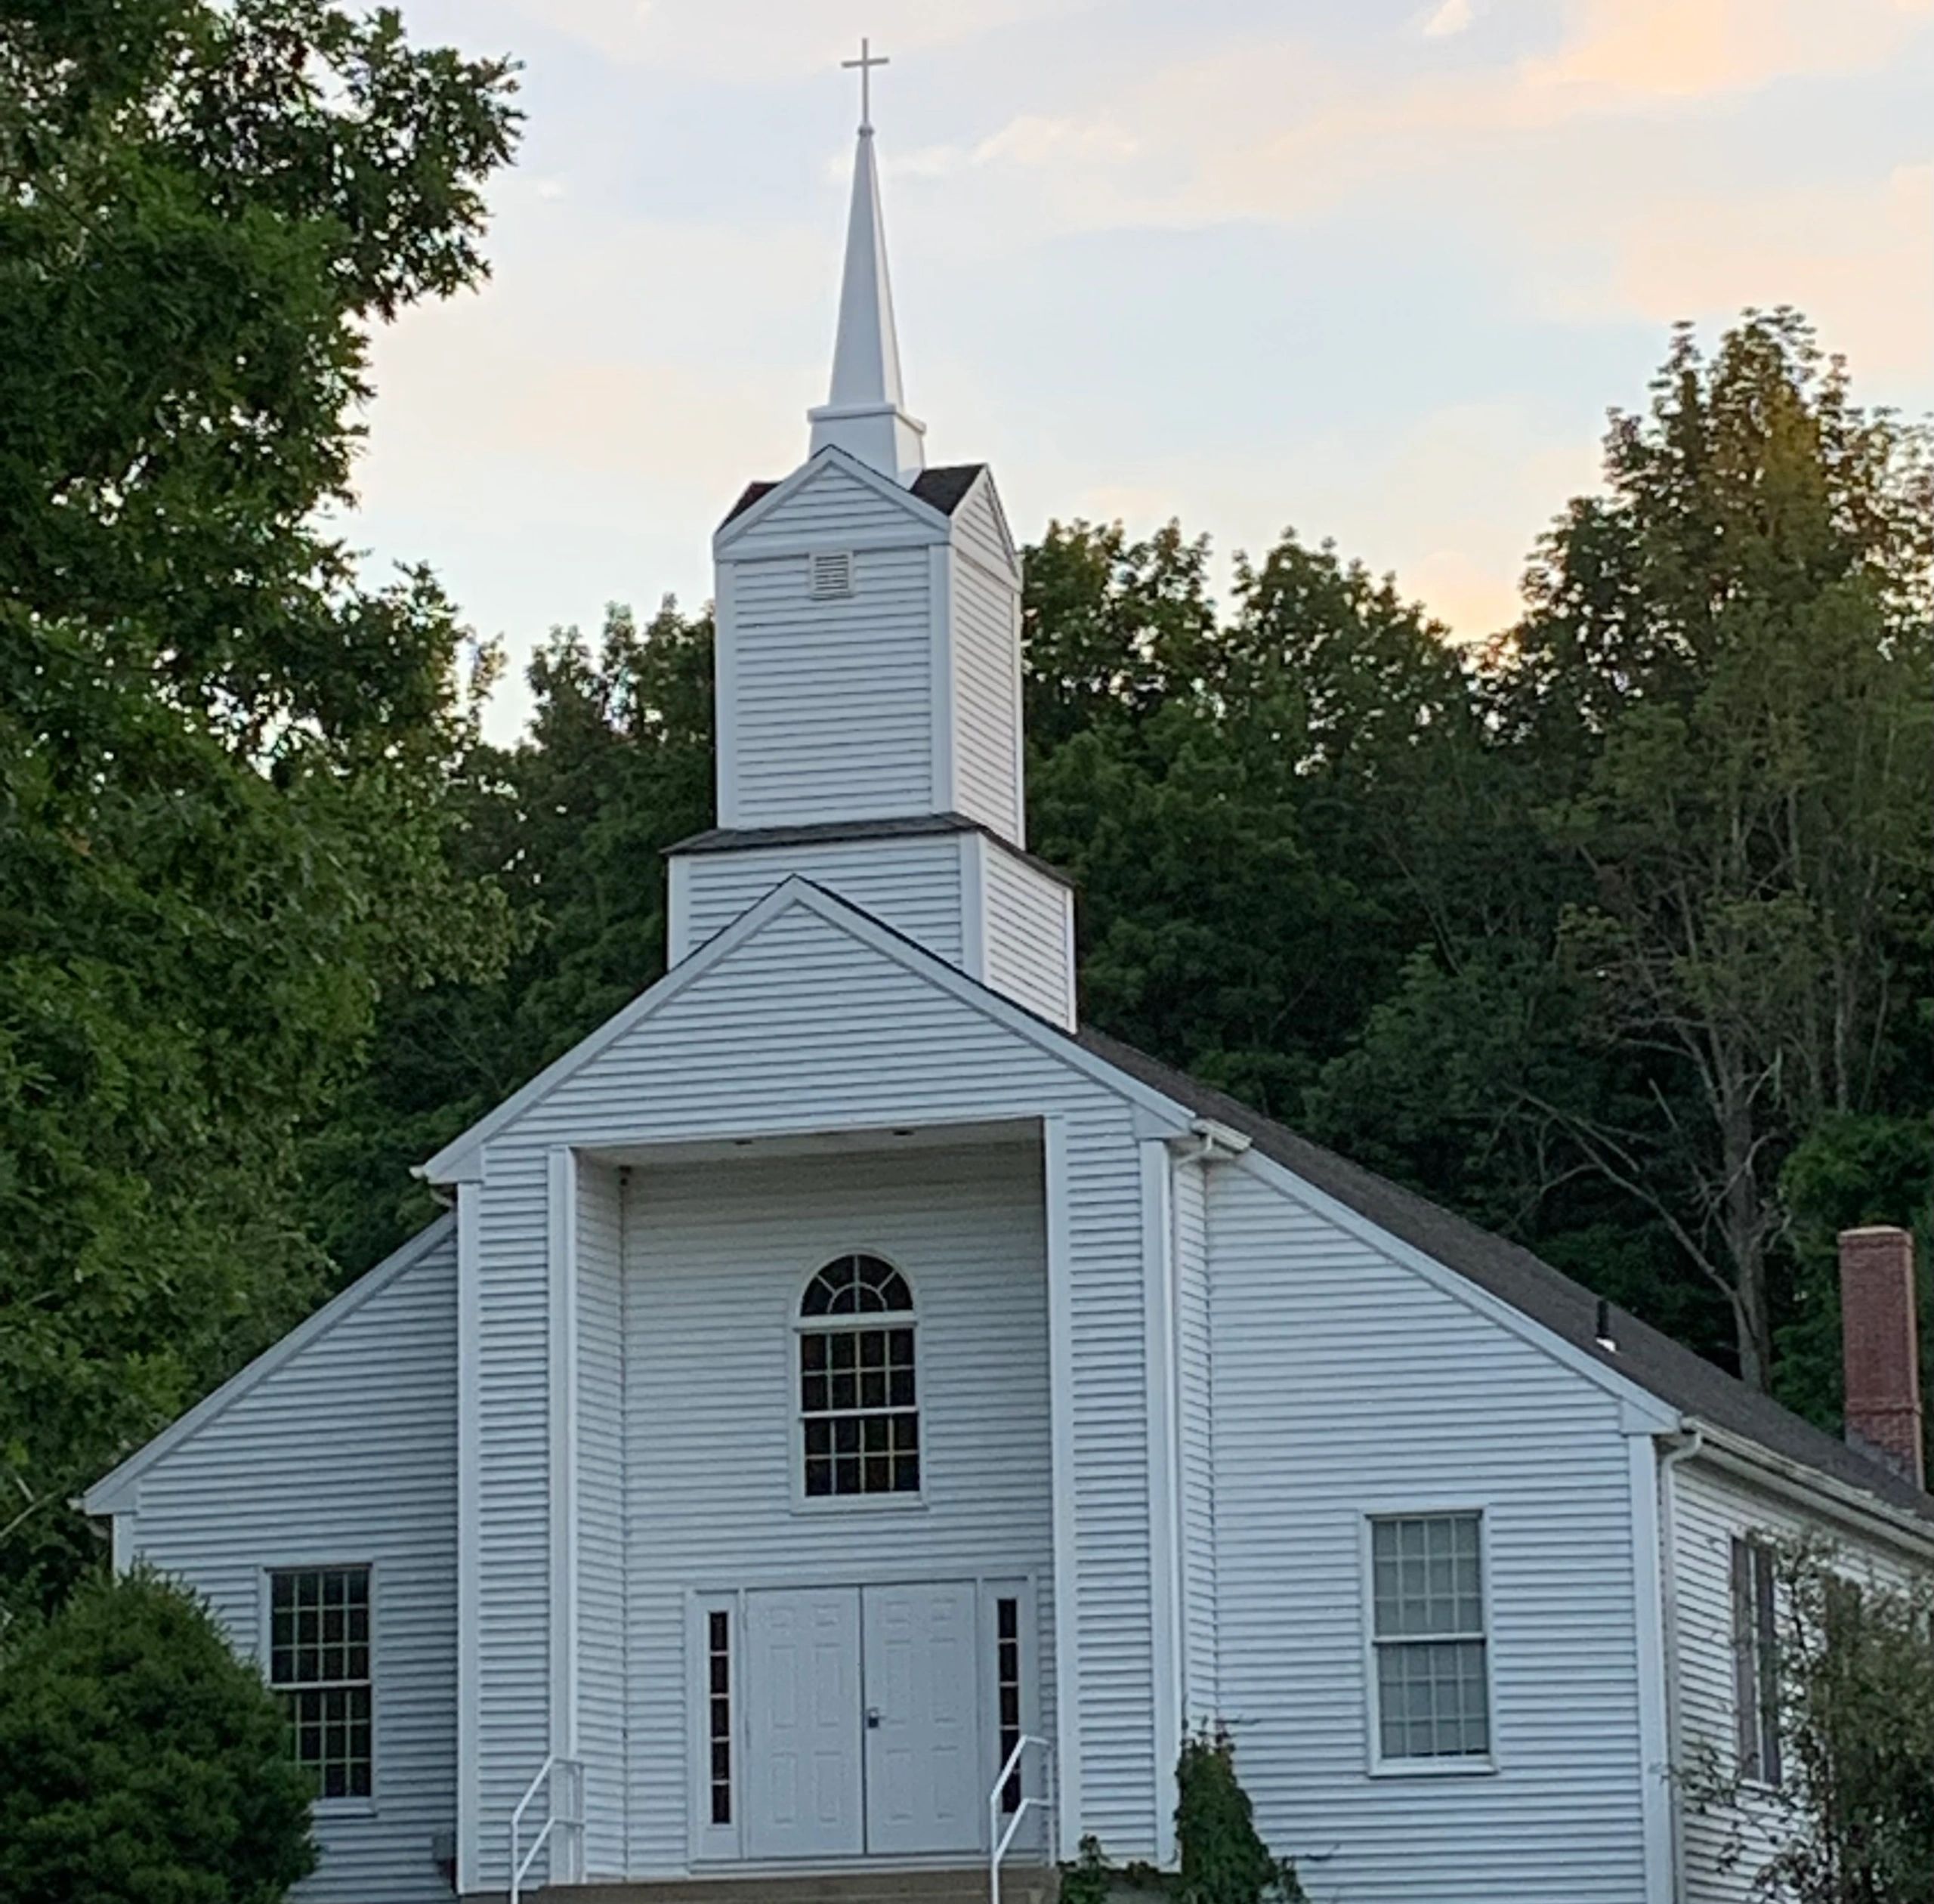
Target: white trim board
(831, 457)
(461, 1159)
(116, 1492)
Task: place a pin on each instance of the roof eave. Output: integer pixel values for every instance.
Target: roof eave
(1736, 1454)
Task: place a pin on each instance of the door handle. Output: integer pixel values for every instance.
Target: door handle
(872, 1718)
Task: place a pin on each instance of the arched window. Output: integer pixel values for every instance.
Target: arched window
(860, 1419)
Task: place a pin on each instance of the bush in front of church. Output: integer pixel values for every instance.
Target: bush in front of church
(141, 1762)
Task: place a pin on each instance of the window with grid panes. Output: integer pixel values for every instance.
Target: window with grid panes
(719, 1710)
(1007, 1681)
(861, 1429)
(1433, 1697)
(319, 1661)
(1756, 1671)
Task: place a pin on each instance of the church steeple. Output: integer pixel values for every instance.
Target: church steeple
(864, 413)
(867, 665)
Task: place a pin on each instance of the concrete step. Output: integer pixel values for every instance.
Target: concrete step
(1019, 1884)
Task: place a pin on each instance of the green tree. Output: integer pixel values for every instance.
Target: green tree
(1852, 1820)
(572, 823)
(224, 763)
(1734, 643)
(141, 1762)
(1219, 790)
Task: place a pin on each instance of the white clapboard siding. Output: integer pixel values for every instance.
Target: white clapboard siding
(716, 1259)
(1195, 1437)
(1726, 1845)
(346, 1452)
(986, 631)
(980, 529)
(804, 1025)
(833, 501)
(602, 1623)
(914, 884)
(1345, 1382)
(830, 703)
(1029, 920)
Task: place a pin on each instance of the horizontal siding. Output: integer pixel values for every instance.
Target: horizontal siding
(831, 503)
(1029, 955)
(602, 1621)
(346, 1453)
(1344, 1380)
(913, 884)
(805, 1027)
(832, 710)
(987, 689)
(979, 530)
(1724, 1846)
(716, 1259)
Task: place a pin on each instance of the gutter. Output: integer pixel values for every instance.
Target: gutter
(1688, 1441)
(1864, 1513)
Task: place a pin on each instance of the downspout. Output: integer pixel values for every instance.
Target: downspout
(1689, 1440)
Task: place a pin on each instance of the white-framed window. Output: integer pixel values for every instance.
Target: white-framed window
(319, 1662)
(1756, 1664)
(1429, 1642)
(829, 574)
(859, 1405)
(716, 1719)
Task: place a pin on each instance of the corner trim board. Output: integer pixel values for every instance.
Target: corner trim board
(1164, 1461)
(1067, 1742)
(469, 1531)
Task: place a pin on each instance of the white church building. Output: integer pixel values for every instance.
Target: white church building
(852, 1420)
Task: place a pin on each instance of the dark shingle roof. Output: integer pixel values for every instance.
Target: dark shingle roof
(739, 839)
(1653, 1360)
(748, 496)
(946, 488)
(943, 489)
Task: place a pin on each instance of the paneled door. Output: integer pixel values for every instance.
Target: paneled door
(926, 1789)
(804, 1789)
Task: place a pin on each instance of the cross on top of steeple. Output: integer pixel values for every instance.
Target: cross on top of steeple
(865, 63)
(865, 411)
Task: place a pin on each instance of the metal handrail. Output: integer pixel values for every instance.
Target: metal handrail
(997, 1839)
(554, 1816)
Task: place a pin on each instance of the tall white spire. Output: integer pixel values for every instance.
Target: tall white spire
(864, 411)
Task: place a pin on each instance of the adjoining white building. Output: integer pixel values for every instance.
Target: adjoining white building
(842, 1378)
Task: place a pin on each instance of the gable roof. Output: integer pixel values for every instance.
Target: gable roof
(114, 1492)
(943, 488)
(1644, 1356)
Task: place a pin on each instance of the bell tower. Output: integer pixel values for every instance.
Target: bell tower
(868, 675)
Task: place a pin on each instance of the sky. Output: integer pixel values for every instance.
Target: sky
(1372, 270)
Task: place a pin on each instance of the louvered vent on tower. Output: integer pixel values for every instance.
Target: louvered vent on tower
(830, 575)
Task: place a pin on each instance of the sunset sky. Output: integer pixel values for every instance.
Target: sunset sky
(1371, 269)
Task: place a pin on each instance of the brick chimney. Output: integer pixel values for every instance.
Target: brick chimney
(1881, 1341)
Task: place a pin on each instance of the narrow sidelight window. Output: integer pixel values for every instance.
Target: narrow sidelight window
(319, 1661)
(1755, 1669)
(719, 1691)
(1007, 1679)
(1433, 1696)
(860, 1432)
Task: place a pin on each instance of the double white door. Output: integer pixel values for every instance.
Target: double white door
(862, 1733)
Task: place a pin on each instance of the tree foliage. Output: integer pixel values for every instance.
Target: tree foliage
(226, 766)
(1220, 1856)
(1734, 646)
(1852, 1822)
(141, 1762)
